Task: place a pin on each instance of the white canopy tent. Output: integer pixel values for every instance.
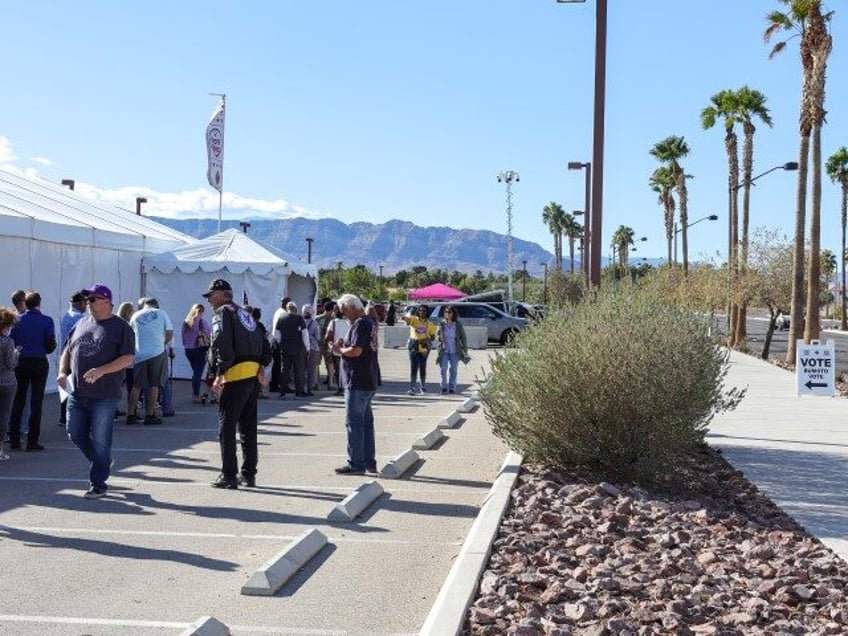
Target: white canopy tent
(177, 279)
(57, 242)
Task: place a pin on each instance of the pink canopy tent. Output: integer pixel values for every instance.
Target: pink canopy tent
(436, 291)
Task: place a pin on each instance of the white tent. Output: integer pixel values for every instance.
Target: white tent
(58, 242)
(177, 279)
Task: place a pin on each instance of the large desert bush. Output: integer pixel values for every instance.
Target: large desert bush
(625, 385)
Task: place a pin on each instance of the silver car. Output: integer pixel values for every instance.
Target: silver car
(500, 326)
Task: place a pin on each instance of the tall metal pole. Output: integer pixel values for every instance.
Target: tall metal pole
(509, 177)
(598, 143)
(309, 250)
(524, 282)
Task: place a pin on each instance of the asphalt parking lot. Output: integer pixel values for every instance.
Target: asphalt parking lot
(164, 548)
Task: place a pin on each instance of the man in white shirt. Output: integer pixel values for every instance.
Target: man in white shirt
(153, 330)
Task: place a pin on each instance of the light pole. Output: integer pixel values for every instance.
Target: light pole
(709, 217)
(509, 177)
(381, 279)
(587, 223)
(545, 285)
(70, 183)
(598, 136)
(339, 267)
(309, 250)
(524, 282)
(732, 228)
(244, 226)
(138, 202)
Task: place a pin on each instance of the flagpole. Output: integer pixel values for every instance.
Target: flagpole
(219, 184)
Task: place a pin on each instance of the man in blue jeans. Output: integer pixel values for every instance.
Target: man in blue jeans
(100, 346)
(358, 353)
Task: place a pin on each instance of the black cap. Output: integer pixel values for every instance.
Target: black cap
(219, 284)
(78, 297)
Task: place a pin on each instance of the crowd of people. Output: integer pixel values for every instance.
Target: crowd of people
(105, 355)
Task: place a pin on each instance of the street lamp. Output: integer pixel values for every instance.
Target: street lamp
(138, 202)
(381, 279)
(545, 285)
(309, 250)
(524, 283)
(339, 267)
(244, 226)
(587, 224)
(69, 183)
(598, 136)
(509, 177)
(733, 227)
(710, 217)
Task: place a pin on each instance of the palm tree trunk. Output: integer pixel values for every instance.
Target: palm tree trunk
(843, 324)
(747, 169)
(796, 311)
(571, 252)
(813, 327)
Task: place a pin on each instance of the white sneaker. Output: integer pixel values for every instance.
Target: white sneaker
(411, 390)
(422, 390)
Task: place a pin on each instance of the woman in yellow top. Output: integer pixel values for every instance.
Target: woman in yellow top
(422, 333)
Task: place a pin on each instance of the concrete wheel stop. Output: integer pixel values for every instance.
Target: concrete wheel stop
(268, 579)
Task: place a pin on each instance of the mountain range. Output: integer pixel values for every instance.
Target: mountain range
(394, 245)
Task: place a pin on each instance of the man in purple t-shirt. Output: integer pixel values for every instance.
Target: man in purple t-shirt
(100, 346)
(358, 377)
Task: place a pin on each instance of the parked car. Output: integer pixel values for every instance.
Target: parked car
(501, 326)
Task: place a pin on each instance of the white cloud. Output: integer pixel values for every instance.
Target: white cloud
(7, 155)
(200, 203)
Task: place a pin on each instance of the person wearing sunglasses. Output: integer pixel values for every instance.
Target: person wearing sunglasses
(453, 347)
(100, 346)
(422, 334)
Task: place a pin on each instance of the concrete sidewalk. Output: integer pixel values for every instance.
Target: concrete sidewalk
(795, 449)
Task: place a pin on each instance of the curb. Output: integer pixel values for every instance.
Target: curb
(448, 612)
(273, 575)
(357, 501)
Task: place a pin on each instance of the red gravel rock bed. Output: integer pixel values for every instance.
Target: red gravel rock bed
(702, 553)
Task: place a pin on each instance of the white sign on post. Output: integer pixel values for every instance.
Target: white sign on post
(815, 368)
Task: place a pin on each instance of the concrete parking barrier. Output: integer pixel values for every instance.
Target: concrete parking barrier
(352, 506)
(428, 440)
(467, 406)
(451, 420)
(399, 465)
(268, 579)
(207, 626)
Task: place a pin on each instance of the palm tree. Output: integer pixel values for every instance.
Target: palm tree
(553, 215)
(749, 105)
(662, 182)
(723, 104)
(828, 267)
(573, 230)
(622, 239)
(805, 17)
(669, 151)
(837, 169)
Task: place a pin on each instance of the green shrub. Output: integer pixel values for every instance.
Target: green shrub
(625, 385)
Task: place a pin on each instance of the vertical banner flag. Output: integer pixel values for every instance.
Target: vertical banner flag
(215, 148)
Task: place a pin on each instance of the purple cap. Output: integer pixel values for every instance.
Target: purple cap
(99, 290)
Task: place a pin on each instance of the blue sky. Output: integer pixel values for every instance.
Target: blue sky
(383, 109)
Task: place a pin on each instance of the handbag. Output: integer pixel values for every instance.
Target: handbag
(202, 339)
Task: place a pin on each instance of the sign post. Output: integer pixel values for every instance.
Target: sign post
(815, 368)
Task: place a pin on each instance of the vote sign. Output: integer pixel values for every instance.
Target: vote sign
(815, 368)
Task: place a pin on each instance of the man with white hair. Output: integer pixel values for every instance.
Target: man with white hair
(358, 376)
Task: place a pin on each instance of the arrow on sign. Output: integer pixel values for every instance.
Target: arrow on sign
(810, 384)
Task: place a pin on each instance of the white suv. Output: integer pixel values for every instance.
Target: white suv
(500, 326)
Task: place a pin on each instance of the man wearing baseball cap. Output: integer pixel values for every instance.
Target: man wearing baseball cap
(99, 348)
(237, 354)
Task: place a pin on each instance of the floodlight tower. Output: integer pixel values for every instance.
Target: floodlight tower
(508, 177)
